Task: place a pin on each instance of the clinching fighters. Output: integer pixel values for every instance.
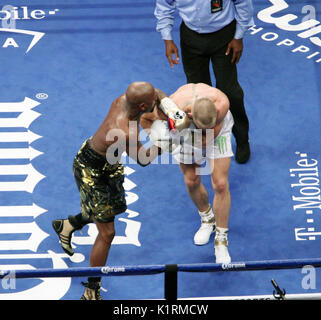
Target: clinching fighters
(206, 138)
(100, 175)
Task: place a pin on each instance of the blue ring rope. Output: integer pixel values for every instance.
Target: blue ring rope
(156, 269)
(86, 272)
(250, 265)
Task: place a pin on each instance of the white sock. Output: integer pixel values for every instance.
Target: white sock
(221, 234)
(207, 216)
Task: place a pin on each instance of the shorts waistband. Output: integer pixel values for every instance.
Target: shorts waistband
(90, 157)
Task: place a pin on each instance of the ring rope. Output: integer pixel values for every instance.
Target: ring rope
(155, 269)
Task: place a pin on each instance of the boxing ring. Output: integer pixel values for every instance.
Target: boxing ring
(170, 274)
(63, 64)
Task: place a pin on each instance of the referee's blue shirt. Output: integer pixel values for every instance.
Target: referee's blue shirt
(197, 15)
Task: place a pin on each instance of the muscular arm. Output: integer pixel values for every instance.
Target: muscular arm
(136, 150)
(147, 119)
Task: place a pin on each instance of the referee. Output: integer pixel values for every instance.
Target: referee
(211, 31)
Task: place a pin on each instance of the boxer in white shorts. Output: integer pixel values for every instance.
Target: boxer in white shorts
(216, 148)
(208, 110)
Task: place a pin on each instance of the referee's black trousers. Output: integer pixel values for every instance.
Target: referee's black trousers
(197, 51)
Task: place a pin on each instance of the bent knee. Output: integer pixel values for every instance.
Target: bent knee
(192, 182)
(107, 235)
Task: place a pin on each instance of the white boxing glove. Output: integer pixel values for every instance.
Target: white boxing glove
(177, 118)
(160, 135)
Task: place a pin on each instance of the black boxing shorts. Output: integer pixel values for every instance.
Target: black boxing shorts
(100, 185)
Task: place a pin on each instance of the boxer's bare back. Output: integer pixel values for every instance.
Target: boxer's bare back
(185, 96)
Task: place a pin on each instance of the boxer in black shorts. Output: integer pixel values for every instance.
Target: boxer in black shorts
(100, 185)
(100, 177)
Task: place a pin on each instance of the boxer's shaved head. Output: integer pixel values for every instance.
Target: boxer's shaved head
(140, 92)
(204, 113)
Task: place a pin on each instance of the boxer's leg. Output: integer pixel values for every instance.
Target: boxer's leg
(98, 257)
(199, 196)
(222, 206)
(194, 185)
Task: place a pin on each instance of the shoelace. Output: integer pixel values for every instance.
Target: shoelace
(95, 288)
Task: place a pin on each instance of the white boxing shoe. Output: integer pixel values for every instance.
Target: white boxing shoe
(202, 236)
(221, 251)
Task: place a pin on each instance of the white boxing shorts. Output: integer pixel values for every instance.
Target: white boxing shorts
(190, 152)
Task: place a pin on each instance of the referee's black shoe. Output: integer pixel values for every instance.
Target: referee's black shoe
(243, 152)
